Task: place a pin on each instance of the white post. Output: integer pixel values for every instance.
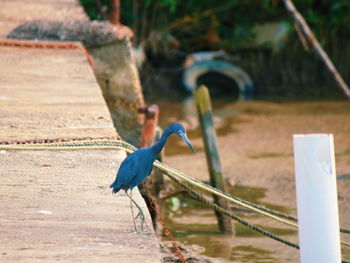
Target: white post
(317, 201)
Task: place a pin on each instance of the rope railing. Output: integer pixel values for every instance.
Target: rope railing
(178, 177)
(256, 228)
(278, 216)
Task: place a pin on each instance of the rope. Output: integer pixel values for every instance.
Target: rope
(236, 218)
(121, 145)
(258, 209)
(258, 229)
(278, 216)
(89, 143)
(116, 144)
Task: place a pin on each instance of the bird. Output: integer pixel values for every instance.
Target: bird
(138, 165)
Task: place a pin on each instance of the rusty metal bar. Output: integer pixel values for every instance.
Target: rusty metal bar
(150, 133)
(115, 13)
(150, 124)
(148, 137)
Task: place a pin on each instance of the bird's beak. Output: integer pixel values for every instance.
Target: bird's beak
(183, 136)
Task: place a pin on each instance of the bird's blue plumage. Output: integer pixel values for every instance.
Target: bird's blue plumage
(131, 173)
(137, 166)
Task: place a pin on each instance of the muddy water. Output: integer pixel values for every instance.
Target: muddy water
(255, 144)
(192, 222)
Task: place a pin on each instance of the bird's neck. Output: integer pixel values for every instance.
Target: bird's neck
(158, 146)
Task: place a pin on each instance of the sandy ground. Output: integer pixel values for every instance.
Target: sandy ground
(256, 150)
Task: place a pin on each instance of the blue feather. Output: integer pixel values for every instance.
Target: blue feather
(138, 165)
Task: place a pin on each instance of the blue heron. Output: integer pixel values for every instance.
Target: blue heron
(138, 165)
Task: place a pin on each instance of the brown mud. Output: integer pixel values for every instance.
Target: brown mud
(255, 145)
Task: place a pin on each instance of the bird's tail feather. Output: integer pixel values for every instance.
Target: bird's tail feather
(116, 189)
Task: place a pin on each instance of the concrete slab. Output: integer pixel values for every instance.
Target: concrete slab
(15, 12)
(56, 205)
(50, 93)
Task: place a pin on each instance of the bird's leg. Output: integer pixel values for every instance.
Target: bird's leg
(133, 201)
(140, 213)
(132, 210)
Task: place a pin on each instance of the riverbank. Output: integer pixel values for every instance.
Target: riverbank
(256, 150)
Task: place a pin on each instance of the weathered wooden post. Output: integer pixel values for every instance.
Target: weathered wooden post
(204, 108)
(317, 201)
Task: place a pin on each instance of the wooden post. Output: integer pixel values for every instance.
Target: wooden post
(317, 201)
(204, 108)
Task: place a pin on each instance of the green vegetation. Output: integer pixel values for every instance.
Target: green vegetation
(171, 29)
(220, 20)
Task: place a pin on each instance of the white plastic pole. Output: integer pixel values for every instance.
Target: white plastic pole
(317, 202)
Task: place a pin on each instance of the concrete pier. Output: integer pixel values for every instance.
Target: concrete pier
(56, 205)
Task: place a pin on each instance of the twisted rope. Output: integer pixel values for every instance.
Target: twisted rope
(117, 144)
(122, 145)
(237, 218)
(223, 211)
